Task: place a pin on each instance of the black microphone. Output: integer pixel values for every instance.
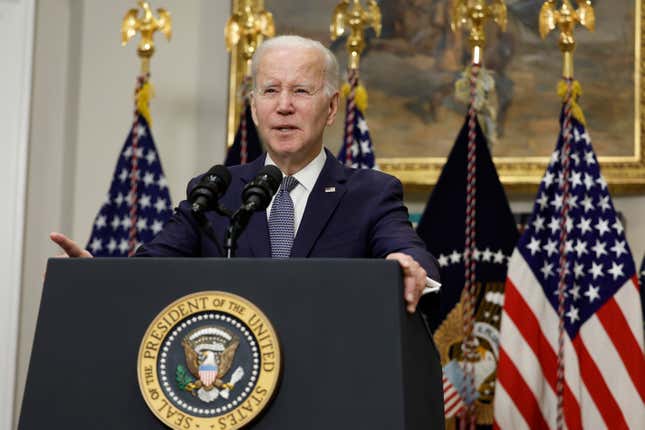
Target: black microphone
(257, 194)
(212, 186)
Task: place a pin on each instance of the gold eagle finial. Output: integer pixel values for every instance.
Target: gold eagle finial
(357, 19)
(565, 19)
(246, 29)
(473, 14)
(147, 25)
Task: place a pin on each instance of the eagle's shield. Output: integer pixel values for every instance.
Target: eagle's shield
(207, 373)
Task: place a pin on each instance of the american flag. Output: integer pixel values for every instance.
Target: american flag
(134, 210)
(604, 365)
(357, 151)
(453, 402)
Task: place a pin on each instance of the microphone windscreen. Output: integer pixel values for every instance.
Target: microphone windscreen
(272, 176)
(220, 172)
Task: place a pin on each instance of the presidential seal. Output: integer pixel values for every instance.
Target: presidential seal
(209, 360)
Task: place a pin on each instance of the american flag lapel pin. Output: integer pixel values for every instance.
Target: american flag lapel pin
(330, 189)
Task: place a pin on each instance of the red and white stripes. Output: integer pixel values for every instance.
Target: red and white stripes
(452, 401)
(604, 365)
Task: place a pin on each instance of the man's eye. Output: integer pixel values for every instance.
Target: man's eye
(270, 91)
(301, 91)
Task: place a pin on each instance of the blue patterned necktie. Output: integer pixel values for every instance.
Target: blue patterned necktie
(281, 225)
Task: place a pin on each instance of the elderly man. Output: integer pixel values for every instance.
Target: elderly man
(332, 210)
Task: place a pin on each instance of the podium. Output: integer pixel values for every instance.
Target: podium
(352, 358)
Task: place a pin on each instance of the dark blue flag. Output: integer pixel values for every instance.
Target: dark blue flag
(442, 227)
(138, 203)
(246, 146)
(357, 152)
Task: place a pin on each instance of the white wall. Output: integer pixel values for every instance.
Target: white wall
(16, 44)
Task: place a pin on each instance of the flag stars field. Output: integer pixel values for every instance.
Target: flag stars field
(488, 255)
(114, 223)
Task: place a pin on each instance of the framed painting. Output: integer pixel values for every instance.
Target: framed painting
(411, 69)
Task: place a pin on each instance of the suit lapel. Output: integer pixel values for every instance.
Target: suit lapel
(323, 200)
(257, 231)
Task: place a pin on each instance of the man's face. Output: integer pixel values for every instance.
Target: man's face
(290, 107)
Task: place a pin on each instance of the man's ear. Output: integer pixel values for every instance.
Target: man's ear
(333, 108)
(253, 113)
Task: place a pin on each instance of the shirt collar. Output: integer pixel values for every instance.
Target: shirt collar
(308, 175)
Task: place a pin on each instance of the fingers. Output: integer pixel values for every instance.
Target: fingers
(414, 279)
(71, 248)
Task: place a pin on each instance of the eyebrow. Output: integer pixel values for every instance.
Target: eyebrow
(298, 84)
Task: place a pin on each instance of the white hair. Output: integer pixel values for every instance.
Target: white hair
(332, 75)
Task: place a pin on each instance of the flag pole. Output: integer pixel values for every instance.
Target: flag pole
(244, 32)
(473, 15)
(147, 25)
(565, 19)
(354, 19)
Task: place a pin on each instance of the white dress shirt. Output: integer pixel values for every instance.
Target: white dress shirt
(307, 177)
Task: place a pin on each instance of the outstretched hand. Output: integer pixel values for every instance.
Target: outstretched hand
(414, 279)
(70, 248)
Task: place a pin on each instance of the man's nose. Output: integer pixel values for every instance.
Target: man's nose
(285, 103)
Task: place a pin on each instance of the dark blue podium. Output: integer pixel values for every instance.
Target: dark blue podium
(352, 357)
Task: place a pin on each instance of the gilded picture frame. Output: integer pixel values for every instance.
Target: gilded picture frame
(608, 65)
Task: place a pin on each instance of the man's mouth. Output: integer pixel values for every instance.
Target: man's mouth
(285, 128)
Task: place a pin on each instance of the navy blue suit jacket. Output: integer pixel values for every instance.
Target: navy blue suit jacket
(350, 213)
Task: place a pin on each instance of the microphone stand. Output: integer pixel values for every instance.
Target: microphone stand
(207, 228)
(238, 223)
